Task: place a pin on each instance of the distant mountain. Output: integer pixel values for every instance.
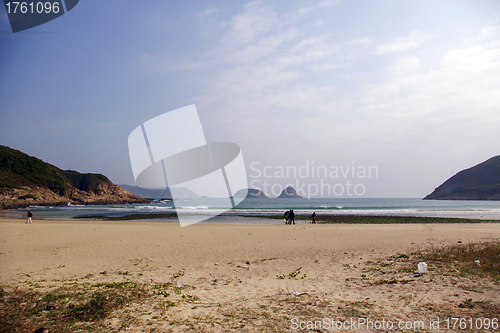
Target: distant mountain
(481, 182)
(252, 193)
(27, 180)
(288, 193)
(180, 192)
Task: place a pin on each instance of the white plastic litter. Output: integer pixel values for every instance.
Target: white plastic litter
(293, 292)
(478, 262)
(422, 267)
(180, 284)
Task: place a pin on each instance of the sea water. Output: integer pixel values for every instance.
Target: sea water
(274, 206)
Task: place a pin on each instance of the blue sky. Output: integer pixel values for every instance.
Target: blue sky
(410, 87)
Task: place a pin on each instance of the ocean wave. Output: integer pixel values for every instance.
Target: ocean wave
(194, 207)
(146, 208)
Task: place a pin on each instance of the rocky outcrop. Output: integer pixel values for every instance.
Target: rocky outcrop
(11, 198)
(26, 181)
(250, 193)
(289, 193)
(481, 182)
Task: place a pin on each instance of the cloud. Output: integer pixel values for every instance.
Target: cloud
(326, 67)
(410, 109)
(285, 93)
(254, 21)
(157, 63)
(263, 47)
(318, 23)
(254, 35)
(474, 58)
(413, 40)
(309, 50)
(405, 66)
(457, 96)
(304, 11)
(328, 3)
(361, 41)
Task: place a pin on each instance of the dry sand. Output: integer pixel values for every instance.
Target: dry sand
(233, 270)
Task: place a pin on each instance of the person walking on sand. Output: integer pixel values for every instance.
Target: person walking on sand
(292, 216)
(29, 217)
(313, 218)
(286, 217)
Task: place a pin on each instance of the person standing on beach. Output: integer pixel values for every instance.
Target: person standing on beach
(313, 218)
(286, 217)
(29, 217)
(292, 216)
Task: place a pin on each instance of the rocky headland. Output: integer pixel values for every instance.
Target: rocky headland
(26, 180)
(481, 182)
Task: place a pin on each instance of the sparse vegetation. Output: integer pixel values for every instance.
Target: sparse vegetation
(76, 306)
(292, 275)
(85, 305)
(479, 259)
(18, 169)
(26, 196)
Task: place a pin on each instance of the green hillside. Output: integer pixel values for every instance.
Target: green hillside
(481, 182)
(18, 169)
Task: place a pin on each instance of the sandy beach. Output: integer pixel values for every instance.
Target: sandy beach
(245, 277)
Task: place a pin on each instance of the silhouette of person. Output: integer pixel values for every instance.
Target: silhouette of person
(30, 215)
(292, 216)
(286, 217)
(313, 218)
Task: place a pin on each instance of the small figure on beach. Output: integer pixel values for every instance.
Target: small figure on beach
(292, 217)
(313, 218)
(286, 217)
(30, 215)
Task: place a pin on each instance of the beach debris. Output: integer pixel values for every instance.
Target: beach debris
(180, 284)
(50, 307)
(422, 267)
(296, 293)
(478, 262)
(459, 242)
(125, 326)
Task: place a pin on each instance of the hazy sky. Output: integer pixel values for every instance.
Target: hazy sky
(411, 87)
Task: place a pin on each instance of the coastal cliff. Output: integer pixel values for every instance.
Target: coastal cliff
(27, 180)
(481, 182)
